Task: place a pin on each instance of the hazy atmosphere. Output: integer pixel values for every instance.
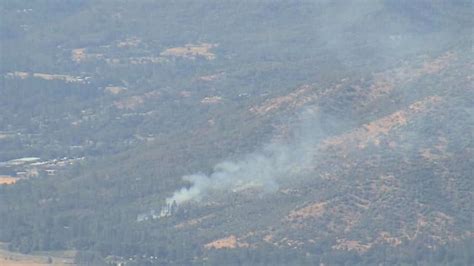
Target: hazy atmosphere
(236, 132)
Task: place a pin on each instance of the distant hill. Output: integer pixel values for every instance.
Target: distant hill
(238, 132)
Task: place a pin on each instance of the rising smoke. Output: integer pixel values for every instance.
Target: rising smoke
(262, 170)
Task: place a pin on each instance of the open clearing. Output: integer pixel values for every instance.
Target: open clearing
(59, 258)
(7, 180)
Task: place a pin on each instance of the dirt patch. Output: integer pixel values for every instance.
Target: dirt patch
(142, 60)
(129, 42)
(192, 51)
(130, 103)
(384, 82)
(289, 243)
(315, 210)
(268, 238)
(115, 89)
(428, 155)
(438, 225)
(294, 99)
(385, 184)
(345, 218)
(185, 94)
(13, 262)
(193, 222)
(78, 55)
(211, 100)
(8, 258)
(8, 180)
(385, 237)
(438, 64)
(133, 102)
(229, 242)
(372, 132)
(210, 77)
(349, 245)
(437, 152)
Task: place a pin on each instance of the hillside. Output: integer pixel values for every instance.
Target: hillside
(238, 132)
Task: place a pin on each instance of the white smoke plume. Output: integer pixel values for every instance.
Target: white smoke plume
(255, 170)
(261, 170)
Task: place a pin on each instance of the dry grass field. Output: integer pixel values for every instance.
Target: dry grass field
(62, 258)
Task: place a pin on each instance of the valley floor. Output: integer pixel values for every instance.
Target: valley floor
(60, 258)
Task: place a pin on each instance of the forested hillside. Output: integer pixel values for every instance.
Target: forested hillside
(237, 132)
